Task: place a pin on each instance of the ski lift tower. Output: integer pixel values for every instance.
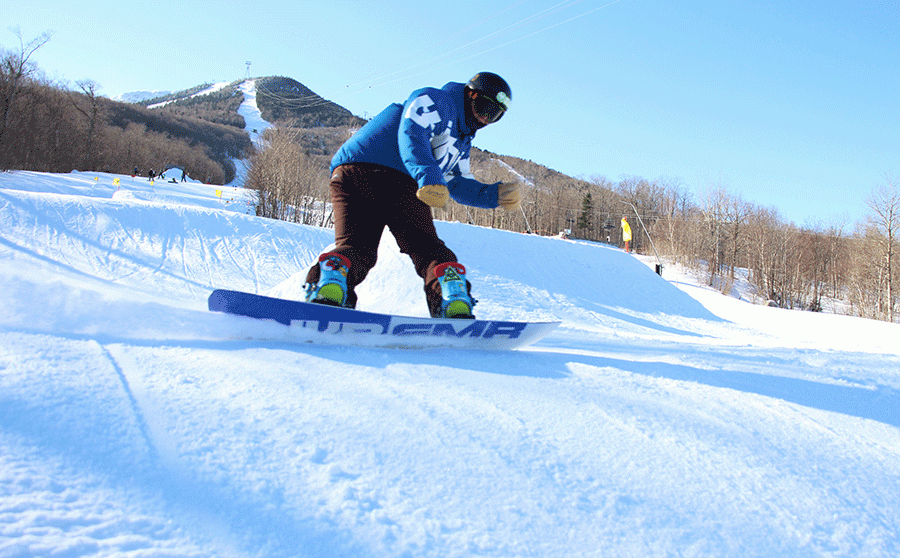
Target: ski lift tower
(659, 265)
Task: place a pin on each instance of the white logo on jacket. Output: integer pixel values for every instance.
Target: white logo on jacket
(443, 145)
(445, 152)
(421, 112)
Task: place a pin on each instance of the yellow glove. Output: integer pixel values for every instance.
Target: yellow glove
(435, 195)
(508, 196)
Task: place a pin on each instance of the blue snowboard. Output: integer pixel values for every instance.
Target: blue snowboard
(320, 323)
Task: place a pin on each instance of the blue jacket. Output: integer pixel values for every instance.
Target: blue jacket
(427, 138)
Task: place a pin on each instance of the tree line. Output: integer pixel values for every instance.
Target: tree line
(53, 127)
(851, 266)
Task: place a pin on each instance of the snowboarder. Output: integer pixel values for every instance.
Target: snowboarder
(407, 159)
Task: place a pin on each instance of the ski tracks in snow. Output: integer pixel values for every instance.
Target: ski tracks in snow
(73, 447)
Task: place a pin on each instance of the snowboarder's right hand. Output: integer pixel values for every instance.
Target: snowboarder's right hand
(435, 195)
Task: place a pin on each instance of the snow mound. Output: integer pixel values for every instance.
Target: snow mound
(660, 419)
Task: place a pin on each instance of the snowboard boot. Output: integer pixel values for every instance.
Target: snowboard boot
(331, 289)
(456, 301)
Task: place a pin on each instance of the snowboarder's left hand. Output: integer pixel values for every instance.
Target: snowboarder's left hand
(508, 196)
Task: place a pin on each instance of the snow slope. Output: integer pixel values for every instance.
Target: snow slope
(138, 96)
(661, 419)
(254, 124)
(211, 89)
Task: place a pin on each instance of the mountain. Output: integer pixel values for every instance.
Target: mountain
(208, 115)
(286, 101)
(282, 101)
(661, 419)
(139, 96)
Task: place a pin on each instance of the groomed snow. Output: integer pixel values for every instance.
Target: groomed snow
(254, 124)
(660, 419)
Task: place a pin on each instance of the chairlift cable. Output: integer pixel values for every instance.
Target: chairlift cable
(377, 82)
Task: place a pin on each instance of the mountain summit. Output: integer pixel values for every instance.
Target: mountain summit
(282, 100)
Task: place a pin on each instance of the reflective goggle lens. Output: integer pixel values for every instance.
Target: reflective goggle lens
(487, 109)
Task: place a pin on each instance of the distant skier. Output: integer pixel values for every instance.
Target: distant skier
(407, 158)
(150, 175)
(626, 234)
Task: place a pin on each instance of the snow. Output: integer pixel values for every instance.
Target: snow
(209, 90)
(254, 124)
(660, 419)
(138, 96)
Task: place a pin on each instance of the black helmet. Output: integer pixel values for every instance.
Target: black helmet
(493, 87)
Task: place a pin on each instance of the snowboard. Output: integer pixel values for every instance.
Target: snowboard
(321, 323)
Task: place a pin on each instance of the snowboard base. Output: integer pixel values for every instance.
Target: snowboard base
(323, 324)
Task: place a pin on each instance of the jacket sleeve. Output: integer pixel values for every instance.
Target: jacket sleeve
(426, 125)
(466, 190)
(469, 191)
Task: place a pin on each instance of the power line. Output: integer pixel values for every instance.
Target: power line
(382, 80)
(542, 30)
(300, 102)
(423, 51)
(540, 15)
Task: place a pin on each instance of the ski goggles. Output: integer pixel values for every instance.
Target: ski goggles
(487, 108)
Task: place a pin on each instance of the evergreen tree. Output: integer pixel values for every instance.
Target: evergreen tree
(585, 220)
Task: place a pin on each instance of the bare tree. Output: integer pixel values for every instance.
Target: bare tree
(15, 69)
(765, 229)
(737, 212)
(673, 203)
(885, 220)
(92, 114)
(289, 183)
(713, 207)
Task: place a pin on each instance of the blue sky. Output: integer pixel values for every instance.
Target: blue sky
(790, 104)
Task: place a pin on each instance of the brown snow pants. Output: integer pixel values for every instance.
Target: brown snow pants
(367, 198)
